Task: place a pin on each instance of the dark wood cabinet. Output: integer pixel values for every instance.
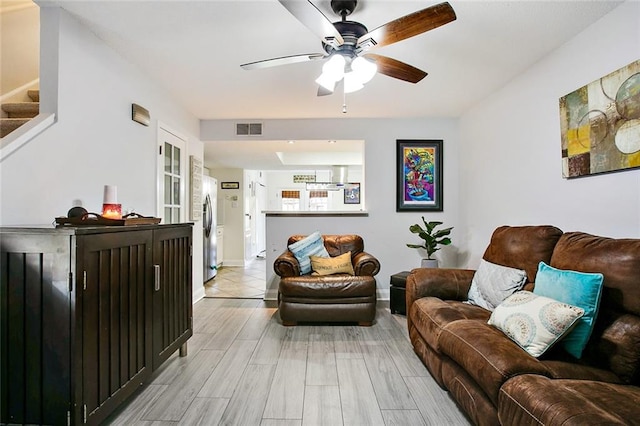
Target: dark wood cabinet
(172, 307)
(86, 315)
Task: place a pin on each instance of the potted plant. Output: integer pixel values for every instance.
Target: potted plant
(433, 238)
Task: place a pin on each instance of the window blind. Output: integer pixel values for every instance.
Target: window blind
(291, 194)
(318, 194)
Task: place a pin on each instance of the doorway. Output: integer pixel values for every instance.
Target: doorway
(171, 175)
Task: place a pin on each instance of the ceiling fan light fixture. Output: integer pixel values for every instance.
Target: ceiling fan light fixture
(334, 68)
(352, 82)
(344, 41)
(364, 69)
(326, 81)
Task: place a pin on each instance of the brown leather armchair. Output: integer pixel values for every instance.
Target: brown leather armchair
(328, 298)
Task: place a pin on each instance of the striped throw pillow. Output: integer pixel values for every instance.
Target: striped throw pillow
(311, 245)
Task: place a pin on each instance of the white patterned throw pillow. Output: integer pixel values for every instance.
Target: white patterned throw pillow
(493, 283)
(534, 322)
(311, 245)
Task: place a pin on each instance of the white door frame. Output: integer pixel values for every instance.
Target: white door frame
(180, 141)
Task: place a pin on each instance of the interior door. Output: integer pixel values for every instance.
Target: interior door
(171, 176)
(261, 226)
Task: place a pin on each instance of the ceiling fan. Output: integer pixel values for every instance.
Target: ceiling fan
(347, 44)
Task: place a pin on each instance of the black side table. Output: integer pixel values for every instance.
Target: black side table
(398, 302)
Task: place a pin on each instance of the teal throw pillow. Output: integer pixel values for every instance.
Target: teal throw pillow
(575, 288)
(311, 245)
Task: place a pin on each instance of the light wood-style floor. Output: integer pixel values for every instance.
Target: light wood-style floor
(245, 368)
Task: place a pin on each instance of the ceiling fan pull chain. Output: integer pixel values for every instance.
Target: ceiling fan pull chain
(344, 101)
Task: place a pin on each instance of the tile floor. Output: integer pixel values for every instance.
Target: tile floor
(238, 282)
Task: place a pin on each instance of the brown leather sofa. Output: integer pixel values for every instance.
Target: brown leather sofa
(495, 381)
(328, 298)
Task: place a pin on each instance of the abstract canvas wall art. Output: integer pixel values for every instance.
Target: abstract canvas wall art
(600, 124)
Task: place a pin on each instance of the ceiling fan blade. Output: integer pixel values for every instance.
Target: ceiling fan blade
(285, 60)
(396, 69)
(408, 26)
(307, 13)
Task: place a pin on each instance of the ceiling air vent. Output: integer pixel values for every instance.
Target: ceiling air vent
(248, 129)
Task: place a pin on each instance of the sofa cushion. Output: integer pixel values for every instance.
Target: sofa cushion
(338, 244)
(579, 289)
(332, 265)
(308, 246)
(563, 369)
(329, 289)
(532, 399)
(617, 259)
(522, 247)
(615, 340)
(617, 346)
(534, 322)
(493, 283)
(486, 354)
(431, 314)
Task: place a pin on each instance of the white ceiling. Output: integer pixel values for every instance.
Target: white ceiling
(194, 49)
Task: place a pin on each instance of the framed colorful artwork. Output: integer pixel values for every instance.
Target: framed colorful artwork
(352, 193)
(419, 175)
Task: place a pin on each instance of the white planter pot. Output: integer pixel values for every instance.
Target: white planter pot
(429, 263)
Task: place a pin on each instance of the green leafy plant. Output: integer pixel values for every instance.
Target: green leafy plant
(432, 238)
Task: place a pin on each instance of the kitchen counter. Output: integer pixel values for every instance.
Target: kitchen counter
(271, 213)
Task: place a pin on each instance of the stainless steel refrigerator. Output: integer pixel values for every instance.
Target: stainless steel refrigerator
(209, 213)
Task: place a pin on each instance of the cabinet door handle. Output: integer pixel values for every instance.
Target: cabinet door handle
(156, 277)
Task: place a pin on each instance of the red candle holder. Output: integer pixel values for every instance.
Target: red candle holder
(112, 211)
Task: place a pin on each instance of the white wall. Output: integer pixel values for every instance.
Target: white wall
(510, 153)
(94, 141)
(385, 231)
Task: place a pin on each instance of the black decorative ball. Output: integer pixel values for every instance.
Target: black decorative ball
(77, 211)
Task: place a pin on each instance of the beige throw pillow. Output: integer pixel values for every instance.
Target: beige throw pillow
(332, 265)
(534, 322)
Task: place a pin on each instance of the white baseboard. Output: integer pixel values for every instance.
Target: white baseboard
(197, 295)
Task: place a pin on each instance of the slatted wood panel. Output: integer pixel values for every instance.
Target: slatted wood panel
(34, 306)
(172, 308)
(116, 318)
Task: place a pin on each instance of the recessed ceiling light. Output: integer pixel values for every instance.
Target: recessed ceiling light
(332, 141)
(291, 142)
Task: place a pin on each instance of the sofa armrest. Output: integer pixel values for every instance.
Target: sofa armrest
(365, 264)
(445, 284)
(286, 265)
